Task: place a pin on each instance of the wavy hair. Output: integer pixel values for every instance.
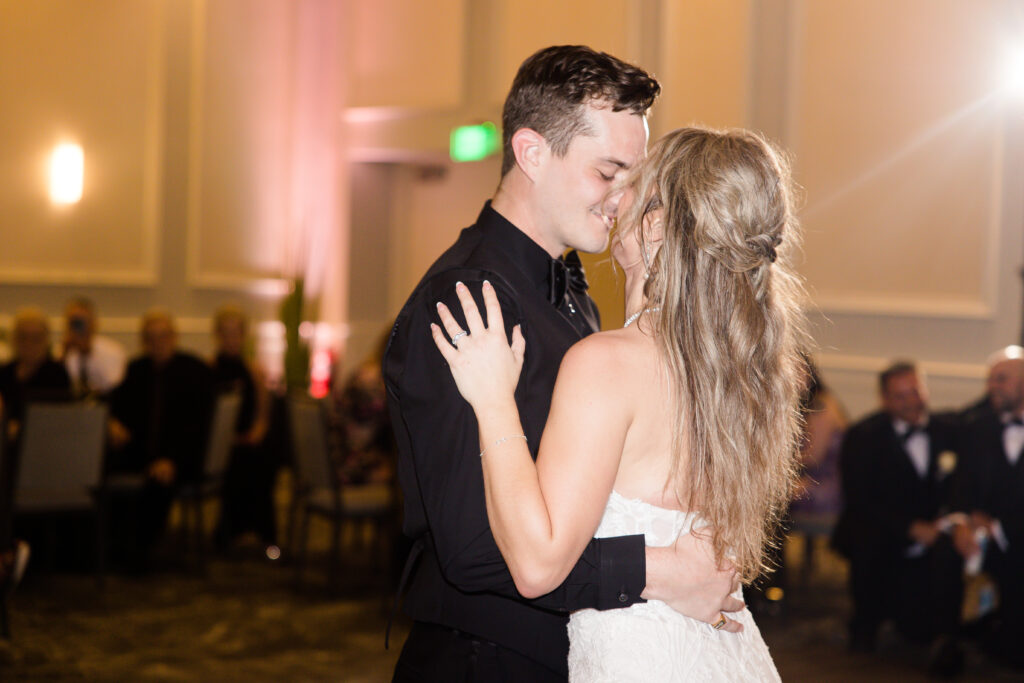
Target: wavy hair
(730, 328)
(552, 87)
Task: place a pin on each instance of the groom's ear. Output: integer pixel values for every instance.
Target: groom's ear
(531, 151)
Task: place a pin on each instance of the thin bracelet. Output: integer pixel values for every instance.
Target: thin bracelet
(503, 440)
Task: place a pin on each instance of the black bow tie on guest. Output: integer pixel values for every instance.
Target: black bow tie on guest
(1013, 422)
(566, 272)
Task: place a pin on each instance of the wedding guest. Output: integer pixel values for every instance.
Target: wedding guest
(896, 468)
(247, 489)
(158, 428)
(991, 493)
(32, 373)
(94, 362)
(825, 423)
(362, 425)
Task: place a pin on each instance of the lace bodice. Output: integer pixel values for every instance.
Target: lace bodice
(650, 642)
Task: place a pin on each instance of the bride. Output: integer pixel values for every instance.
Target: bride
(683, 421)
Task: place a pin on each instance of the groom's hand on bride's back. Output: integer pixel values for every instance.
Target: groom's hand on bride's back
(686, 578)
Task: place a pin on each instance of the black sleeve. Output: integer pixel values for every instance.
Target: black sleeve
(441, 436)
(875, 513)
(188, 419)
(970, 482)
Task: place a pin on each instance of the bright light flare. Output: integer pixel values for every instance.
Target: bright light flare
(67, 164)
(1013, 72)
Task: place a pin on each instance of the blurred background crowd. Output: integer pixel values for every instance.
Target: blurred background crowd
(926, 506)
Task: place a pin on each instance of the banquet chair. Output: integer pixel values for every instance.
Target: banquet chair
(59, 468)
(193, 495)
(318, 490)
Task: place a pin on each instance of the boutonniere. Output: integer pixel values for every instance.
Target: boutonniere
(947, 462)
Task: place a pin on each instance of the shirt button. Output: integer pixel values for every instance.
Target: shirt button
(623, 597)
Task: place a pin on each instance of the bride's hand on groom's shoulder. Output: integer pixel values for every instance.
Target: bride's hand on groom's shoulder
(485, 366)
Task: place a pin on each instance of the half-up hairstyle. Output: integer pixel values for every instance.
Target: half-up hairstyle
(730, 328)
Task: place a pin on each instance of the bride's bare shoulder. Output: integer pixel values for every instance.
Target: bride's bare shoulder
(607, 354)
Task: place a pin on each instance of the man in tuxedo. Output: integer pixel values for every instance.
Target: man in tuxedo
(990, 492)
(896, 466)
(574, 123)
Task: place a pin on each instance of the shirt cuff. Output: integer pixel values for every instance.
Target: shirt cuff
(623, 571)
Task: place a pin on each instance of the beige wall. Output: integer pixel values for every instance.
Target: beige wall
(214, 156)
(217, 134)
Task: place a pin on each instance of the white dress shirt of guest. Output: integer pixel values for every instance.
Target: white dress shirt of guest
(1005, 386)
(905, 399)
(96, 364)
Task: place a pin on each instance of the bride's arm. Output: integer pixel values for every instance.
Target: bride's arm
(542, 515)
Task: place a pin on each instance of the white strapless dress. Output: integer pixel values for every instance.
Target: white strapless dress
(649, 642)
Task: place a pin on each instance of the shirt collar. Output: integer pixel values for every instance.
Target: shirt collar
(902, 426)
(1006, 418)
(523, 252)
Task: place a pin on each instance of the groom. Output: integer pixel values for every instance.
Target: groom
(574, 122)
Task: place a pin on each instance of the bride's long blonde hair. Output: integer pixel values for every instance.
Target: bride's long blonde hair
(730, 327)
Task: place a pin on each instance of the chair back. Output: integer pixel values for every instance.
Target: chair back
(309, 442)
(222, 433)
(61, 447)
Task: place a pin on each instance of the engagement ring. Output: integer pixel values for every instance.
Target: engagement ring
(458, 336)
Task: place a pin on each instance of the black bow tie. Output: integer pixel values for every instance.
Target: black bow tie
(566, 272)
(1013, 422)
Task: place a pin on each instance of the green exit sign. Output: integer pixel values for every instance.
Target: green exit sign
(472, 143)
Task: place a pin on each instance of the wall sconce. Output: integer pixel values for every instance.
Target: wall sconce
(67, 165)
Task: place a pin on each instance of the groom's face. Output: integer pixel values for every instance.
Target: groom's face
(574, 189)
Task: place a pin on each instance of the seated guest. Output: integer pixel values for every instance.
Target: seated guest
(95, 363)
(990, 492)
(247, 491)
(361, 424)
(158, 428)
(824, 425)
(895, 468)
(32, 374)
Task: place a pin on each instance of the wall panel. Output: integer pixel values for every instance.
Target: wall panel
(704, 64)
(898, 144)
(908, 154)
(524, 26)
(239, 141)
(408, 54)
(90, 73)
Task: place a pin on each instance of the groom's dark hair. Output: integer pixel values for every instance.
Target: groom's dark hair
(554, 84)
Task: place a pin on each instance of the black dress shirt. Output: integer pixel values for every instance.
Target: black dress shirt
(167, 411)
(461, 580)
(49, 382)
